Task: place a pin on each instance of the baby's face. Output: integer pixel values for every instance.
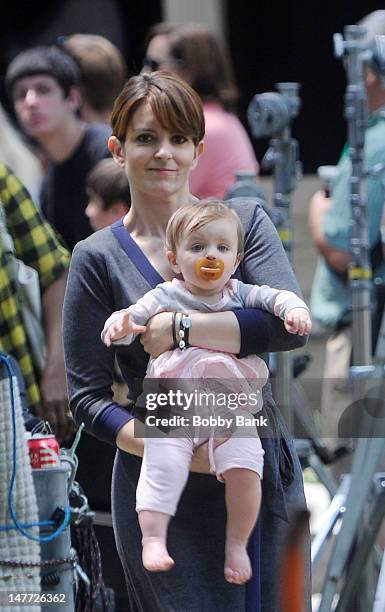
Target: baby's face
(209, 256)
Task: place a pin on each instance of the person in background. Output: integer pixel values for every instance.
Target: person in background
(103, 71)
(195, 54)
(108, 193)
(330, 223)
(36, 245)
(43, 84)
(15, 153)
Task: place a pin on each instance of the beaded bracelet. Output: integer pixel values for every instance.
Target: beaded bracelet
(184, 331)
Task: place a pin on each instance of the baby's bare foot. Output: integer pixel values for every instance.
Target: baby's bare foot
(155, 555)
(237, 563)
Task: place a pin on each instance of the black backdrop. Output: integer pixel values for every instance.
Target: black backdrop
(26, 23)
(270, 42)
(273, 42)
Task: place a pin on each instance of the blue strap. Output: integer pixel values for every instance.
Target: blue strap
(135, 254)
(253, 588)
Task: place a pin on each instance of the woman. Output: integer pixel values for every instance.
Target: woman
(158, 127)
(194, 53)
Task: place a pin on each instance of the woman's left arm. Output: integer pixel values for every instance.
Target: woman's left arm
(53, 381)
(218, 331)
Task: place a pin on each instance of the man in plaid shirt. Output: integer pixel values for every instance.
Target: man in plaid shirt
(37, 246)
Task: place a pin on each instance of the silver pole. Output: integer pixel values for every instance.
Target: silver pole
(355, 52)
(359, 273)
(283, 157)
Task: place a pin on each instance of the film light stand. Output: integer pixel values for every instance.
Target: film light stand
(271, 114)
(352, 553)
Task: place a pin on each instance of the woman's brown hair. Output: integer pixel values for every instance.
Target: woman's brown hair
(174, 103)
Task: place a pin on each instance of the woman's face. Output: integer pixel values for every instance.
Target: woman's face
(157, 162)
(158, 54)
(159, 57)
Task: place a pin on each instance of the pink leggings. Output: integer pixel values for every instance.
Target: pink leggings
(166, 464)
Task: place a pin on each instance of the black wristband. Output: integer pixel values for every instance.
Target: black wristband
(173, 325)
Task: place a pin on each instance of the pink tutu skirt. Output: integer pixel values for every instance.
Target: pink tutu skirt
(236, 375)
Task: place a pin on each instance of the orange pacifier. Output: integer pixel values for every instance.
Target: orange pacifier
(209, 269)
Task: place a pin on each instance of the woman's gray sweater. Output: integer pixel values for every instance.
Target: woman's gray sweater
(103, 279)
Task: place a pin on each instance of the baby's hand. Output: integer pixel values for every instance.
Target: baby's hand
(121, 328)
(298, 321)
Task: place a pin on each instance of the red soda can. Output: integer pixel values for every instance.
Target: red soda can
(43, 451)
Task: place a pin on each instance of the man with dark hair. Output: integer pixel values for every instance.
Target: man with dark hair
(43, 83)
(108, 192)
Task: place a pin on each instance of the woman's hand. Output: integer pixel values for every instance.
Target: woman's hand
(54, 405)
(126, 441)
(157, 338)
(200, 459)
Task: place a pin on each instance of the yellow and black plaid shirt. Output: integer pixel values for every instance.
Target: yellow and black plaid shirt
(37, 246)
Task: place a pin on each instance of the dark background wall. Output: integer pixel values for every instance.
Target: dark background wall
(292, 41)
(270, 42)
(24, 24)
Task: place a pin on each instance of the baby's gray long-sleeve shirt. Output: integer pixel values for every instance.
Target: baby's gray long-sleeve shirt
(103, 279)
(174, 296)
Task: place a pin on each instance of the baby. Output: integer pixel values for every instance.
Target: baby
(204, 243)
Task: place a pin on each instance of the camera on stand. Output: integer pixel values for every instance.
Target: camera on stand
(270, 115)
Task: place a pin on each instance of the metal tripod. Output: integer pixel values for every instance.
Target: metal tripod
(366, 489)
(360, 525)
(271, 114)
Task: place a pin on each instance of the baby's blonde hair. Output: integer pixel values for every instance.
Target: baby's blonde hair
(192, 217)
